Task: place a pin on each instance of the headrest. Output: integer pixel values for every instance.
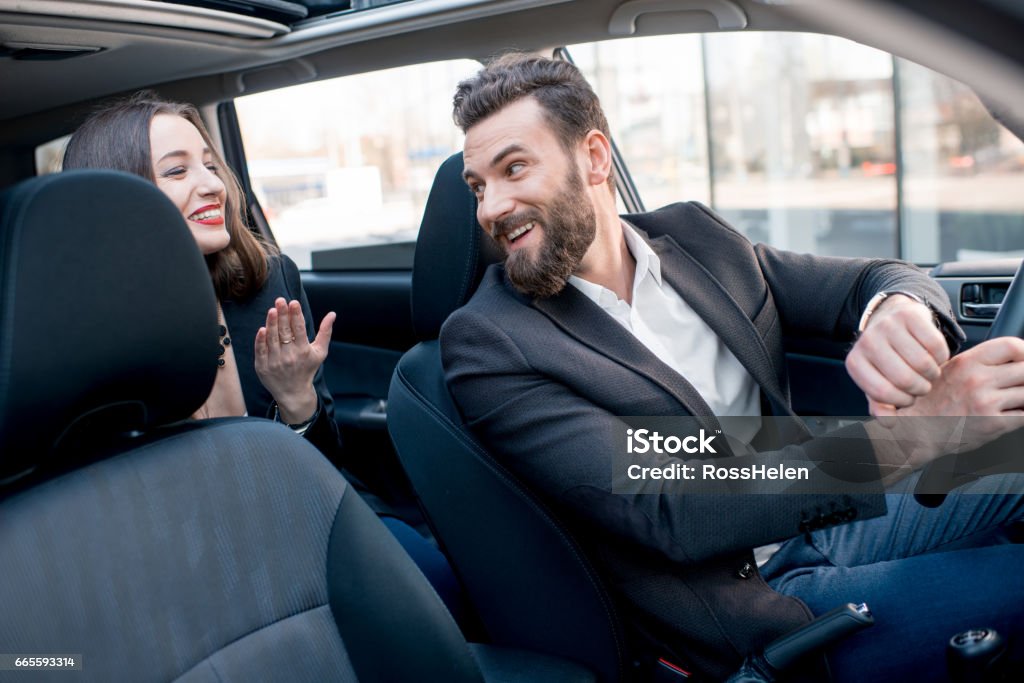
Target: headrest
(452, 252)
(108, 313)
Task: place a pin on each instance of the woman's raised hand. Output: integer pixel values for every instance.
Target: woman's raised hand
(286, 361)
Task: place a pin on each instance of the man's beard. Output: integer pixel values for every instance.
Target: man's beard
(569, 229)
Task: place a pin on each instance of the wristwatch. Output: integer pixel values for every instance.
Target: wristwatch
(877, 300)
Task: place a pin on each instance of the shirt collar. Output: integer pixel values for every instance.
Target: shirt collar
(646, 262)
(595, 292)
(646, 259)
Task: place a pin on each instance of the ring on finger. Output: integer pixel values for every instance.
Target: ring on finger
(288, 341)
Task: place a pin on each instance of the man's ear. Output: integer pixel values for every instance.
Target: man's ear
(598, 154)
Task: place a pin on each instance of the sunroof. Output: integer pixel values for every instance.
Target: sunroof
(320, 7)
(286, 11)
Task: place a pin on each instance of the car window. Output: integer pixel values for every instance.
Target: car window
(349, 162)
(813, 143)
(963, 173)
(50, 155)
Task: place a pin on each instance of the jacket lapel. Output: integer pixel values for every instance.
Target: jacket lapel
(584, 320)
(716, 306)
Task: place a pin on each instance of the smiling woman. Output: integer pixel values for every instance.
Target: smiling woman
(184, 170)
(278, 373)
(275, 371)
(121, 136)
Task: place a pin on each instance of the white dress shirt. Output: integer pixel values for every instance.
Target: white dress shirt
(672, 331)
(680, 338)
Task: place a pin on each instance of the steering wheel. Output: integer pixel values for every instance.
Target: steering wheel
(1009, 321)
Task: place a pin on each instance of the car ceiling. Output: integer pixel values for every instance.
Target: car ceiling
(207, 56)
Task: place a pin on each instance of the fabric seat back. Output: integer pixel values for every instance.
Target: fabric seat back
(153, 548)
(530, 582)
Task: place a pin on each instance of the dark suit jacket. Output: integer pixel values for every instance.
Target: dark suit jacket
(541, 382)
(245, 318)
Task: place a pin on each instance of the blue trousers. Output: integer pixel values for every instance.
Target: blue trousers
(926, 574)
(433, 564)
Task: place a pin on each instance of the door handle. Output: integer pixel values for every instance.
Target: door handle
(981, 310)
(982, 300)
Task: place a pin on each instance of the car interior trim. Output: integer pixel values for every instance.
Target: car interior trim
(155, 13)
(326, 32)
(728, 14)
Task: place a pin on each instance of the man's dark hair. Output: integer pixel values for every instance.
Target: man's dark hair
(570, 105)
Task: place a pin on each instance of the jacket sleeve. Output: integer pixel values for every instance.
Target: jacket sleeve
(323, 433)
(561, 445)
(824, 296)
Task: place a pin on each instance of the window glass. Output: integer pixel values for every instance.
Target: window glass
(963, 173)
(805, 152)
(350, 161)
(803, 141)
(652, 91)
(50, 155)
(801, 128)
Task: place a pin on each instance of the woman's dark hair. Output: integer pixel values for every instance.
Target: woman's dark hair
(117, 137)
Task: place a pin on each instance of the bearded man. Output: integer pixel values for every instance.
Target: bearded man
(669, 313)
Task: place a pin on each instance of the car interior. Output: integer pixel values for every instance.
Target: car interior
(309, 585)
(225, 550)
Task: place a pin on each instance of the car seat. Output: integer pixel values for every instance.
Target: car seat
(530, 583)
(145, 546)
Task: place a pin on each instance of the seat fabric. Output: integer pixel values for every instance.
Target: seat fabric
(85, 335)
(216, 550)
(203, 564)
(532, 586)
